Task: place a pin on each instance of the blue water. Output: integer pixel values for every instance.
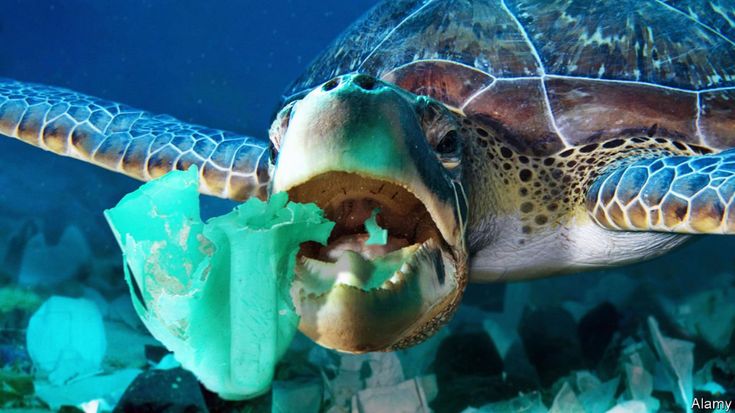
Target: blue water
(224, 64)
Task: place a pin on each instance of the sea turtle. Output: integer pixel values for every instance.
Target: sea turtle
(500, 139)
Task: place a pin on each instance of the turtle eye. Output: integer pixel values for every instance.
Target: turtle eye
(448, 143)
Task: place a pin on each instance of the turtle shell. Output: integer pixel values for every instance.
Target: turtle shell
(555, 73)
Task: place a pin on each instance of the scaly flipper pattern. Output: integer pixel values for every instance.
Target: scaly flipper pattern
(131, 141)
(683, 194)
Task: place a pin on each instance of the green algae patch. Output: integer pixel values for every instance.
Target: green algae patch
(215, 293)
(376, 235)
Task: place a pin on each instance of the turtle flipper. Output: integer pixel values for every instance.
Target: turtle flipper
(130, 141)
(683, 194)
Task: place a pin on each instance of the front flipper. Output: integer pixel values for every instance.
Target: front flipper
(683, 194)
(130, 141)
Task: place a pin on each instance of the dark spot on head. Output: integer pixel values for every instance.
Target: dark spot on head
(549, 161)
(638, 139)
(526, 207)
(613, 143)
(525, 175)
(566, 153)
(523, 159)
(699, 149)
(482, 132)
(588, 148)
(541, 219)
(521, 241)
(679, 145)
(507, 166)
(526, 229)
(506, 153)
(552, 206)
(571, 163)
(661, 140)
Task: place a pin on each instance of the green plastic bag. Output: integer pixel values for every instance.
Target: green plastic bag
(215, 293)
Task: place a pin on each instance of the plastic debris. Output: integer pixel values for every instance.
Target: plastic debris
(710, 315)
(631, 406)
(678, 360)
(377, 235)
(215, 294)
(638, 362)
(527, 403)
(406, 397)
(595, 396)
(704, 379)
(385, 370)
(297, 396)
(51, 264)
(566, 401)
(104, 390)
(66, 338)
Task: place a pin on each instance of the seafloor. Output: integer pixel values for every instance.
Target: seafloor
(645, 338)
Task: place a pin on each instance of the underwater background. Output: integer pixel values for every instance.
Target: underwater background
(646, 337)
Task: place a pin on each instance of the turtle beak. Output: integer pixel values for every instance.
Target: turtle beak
(355, 145)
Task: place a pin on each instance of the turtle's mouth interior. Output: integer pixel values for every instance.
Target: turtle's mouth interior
(348, 258)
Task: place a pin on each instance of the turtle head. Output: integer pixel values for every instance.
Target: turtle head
(358, 147)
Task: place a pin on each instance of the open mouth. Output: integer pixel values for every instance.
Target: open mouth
(375, 293)
(351, 257)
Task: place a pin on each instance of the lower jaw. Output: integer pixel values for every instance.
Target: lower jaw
(399, 312)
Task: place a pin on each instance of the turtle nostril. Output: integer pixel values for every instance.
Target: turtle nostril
(364, 81)
(331, 84)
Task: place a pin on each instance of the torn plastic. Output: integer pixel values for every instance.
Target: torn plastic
(103, 390)
(677, 358)
(215, 294)
(409, 396)
(377, 235)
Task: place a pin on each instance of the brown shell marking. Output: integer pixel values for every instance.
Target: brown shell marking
(583, 71)
(587, 110)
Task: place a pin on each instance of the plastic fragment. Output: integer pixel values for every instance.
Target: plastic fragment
(106, 390)
(377, 235)
(215, 294)
(678, 361)
(408, 396)
(566, 401)
(630, 406)
(66, 338)
(595, 396)
(527, 403)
